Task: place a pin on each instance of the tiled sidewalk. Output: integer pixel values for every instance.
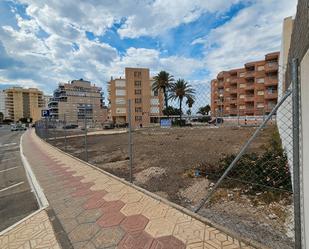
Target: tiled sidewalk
(34, 232)
(97, 210)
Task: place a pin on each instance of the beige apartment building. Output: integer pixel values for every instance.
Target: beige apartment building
(248, 91)
(23, 103)
(146, 105)
(76, 101)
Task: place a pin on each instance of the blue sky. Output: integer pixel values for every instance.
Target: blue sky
(45, 42)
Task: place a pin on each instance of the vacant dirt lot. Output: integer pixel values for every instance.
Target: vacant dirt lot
(163, 157)
(164, 162)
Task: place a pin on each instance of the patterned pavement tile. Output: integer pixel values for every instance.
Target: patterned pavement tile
(110, 219)
(167, 242)
(94, 203)
(108, 237)
(155, 211)
(160, 227)
(89, 216)
(35, 232)
(139, 240)
(190, 232)
(83, 232)
(132, 197)
(176, 216)
(112, 206)
(134, 223)
(133, 208)
(98, 211)
(69, 224)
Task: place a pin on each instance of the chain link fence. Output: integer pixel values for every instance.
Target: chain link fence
(235, 170)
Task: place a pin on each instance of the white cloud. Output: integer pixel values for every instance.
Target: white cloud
(255, 31)
(150, 58)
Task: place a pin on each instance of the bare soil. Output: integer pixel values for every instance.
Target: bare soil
(164, 162)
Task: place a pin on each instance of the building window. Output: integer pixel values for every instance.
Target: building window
(138, 91)
(137, 74)
(241, 96)
(138, 118)
(137, 83)
(260, 105)
(120, 83)
(242, 107)
(120, 110)
(261, 68)
(120, 92)
(260, 80)
(120, 101)
(138, 100)
(242, 85)
(242, 75)
(138, 109)
(260, 93)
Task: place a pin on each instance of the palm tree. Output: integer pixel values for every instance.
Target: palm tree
(180, 90)
(190, 102)
(204, 110)
(162, 81)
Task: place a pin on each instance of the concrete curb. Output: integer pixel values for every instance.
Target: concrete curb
(165, 201)
(34, 184)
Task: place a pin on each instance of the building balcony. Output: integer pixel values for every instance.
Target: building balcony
(233, 101)
(249, 98)
(249, 86)
(271, 81)
(233, 90)
(271, 95)
(233, 80)
(271, 67)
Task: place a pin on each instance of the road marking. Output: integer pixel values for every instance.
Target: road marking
(12, 186)
(8, 169)
(6, 145)
(8, 159)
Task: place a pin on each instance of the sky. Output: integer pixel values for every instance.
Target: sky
(44, 42)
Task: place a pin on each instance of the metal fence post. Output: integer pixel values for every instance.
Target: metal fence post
(296, 164)
(130, 140)
(65, 132)
(86, 144)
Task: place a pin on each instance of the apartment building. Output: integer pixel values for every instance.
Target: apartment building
(76, 101)
(23, 103)
(2, 104)
(248, 91)
(146, 105)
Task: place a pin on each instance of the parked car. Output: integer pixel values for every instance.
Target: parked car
(108, 125)
(216, 121)
(13, 127)
(18, 127)
(70, 126)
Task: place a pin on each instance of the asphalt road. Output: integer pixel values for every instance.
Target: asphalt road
(16, 199)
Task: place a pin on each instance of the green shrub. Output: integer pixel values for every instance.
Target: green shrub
(268, 170)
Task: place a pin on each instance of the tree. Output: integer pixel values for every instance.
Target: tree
(162, 81)
(180, 90)
(204, 110)
(171, 111)
(190, 102)
(1, 117)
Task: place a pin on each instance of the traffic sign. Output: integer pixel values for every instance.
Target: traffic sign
(45, 113)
